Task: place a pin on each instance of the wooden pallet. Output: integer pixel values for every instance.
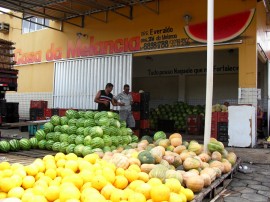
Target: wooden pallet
(207, 194)
(34, 153)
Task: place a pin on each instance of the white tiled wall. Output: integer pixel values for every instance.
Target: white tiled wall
(24, 101)
(248, 96)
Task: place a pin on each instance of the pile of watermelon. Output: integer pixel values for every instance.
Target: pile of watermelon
(84, 132)
(177, 112)
(16, 145)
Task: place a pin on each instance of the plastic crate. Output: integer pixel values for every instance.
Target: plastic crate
(222, 137)
(144, 115)
(136, 116)
(62, 112)
(222, 127)
(39, 104)
(36, 112)
(55, 112)
(144, 106)
(135, 107)
(214, 129)
(214, 116)
(145, 96)
(222, 117)
(136, 97)
(47, 112)
(145, 124)
(194, 120)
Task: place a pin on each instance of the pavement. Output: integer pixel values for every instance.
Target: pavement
(244, 187)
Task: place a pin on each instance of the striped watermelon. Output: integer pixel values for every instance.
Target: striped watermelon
(129, 131)
(79, 139)
(71, 139)
(89, 122)
(106, 130)
(49, 144)
(96, 131)
(55, 120)
(123, 124)
(48, 127)
(89, 115)
(113, 130)
(113, 147)
(42, 144)
(87, 140)
(106, 149)
(86, 150)
(80, 122)
(63, 146)
(159, 135)
(72, 122)
(134, 138)
(107, 140)
(98, 115)
(80, 131)
(49, 136)
(110, 114)
(25, 144)
(116, 116)
(56, 136)
(120, 140)
(78, 149)
(126, 140)
(72, 130)
(14, 145)
(70, 148)
(103, 121)
(71, 114)
(97, 150)
(97, 142)
(114, 140)
(81, 114)
(86, 131)
(33, 142)
(124, 131)
(4, 146)
(63, 137)
(40, 135)
(56, 146)
(115, 123)
(64, 128)
(64, 120)
(57, 128)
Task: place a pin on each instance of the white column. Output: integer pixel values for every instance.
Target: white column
(209, 75)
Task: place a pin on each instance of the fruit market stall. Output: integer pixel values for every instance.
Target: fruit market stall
(93, 155)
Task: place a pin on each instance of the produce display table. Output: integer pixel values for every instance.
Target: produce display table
(207, 194)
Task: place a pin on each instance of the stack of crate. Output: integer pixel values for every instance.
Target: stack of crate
(37, 108)
(194, 125)
(219, 127)
(140, 111)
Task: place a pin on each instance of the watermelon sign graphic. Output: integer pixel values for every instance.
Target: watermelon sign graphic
(225, 28)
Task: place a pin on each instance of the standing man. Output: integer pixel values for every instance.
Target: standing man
(125, 106)
(105, 97)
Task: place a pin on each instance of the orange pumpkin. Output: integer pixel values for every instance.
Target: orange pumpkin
(175, 135)
(216, 156)
(195, 183)
(147, 167)
(211, 172)
(217, 164)
(179, 149)
(204, 157)
(206, 179)
(134, 161)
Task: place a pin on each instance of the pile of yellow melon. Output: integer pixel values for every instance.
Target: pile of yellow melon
(68, 178)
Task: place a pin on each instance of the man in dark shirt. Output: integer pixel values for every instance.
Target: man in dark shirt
(105, 97)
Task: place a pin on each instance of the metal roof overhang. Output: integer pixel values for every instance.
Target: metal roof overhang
(65, 10)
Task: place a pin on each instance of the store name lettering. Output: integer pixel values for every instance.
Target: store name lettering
(102, 47)
(28, 57)
(176, 71)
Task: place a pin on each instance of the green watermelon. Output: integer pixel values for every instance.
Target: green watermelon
(78, 149)
(86, 150)
(107, 149)
(15, 145)
(103, 121)
(110, 114)
(114, 131)
(55, 120)
(70, 114)
(114, 140)
(80, 122)
(71, 130)
(25, 144)
(148, 138)
(63, 137)
(115, 123)
(71, 139)
(63, 147)
(120, 140)
(56, 136)
(97, 142)
(56, 146)
(81, 114)
(64, 128)
(4, 146)
(72, 122)
(159, 135)
(129, 131)
(89, 115)
(113, 147)
(123, 124)
(106, 130)
(87, 140)
(97, 150)
(48, 127)
(57, 128)
(49, 136)
(98, 115)
(96, 131)
(226, 27)
(124, 131)
(49, 144)
(107, 140)
(79, 139)
(86, 131)
(70, 148)
(40, 134)
(42, 144)
(89, 122)
(33, 142)
(80, 131)
(116, 116)
(64, 120)
(134, 138)
(126, 140)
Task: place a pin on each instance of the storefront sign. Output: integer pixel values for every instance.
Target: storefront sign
(191, 71)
